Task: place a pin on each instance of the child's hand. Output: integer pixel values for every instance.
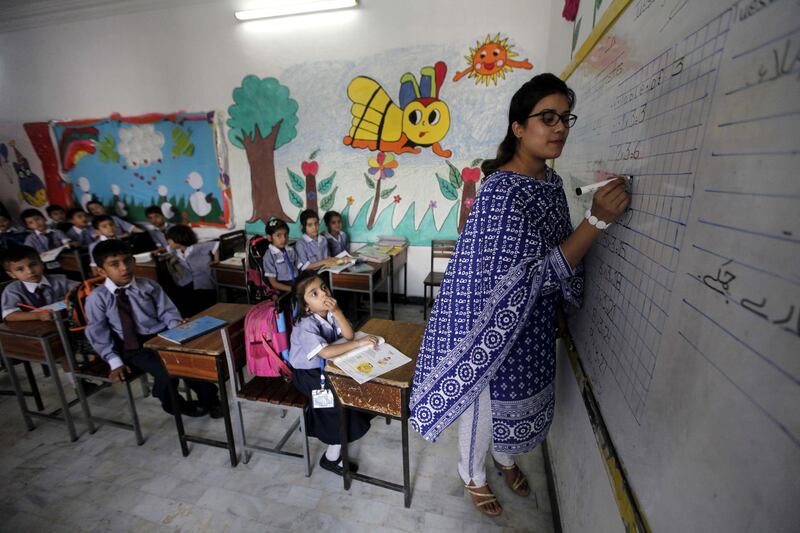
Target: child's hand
(118, 374)
(366, 341)
(330, 303)
(45, 316)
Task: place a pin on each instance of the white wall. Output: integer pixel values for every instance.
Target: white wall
(192, 57)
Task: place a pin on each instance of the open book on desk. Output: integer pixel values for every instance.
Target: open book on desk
(367, 362)
(52, 255)
(344, 261)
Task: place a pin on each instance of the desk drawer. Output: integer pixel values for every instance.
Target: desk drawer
(30, 349)
(374, 397)
(230, 278)
(188, 365)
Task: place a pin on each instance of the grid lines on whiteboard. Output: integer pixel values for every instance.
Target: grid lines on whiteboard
(653, 129)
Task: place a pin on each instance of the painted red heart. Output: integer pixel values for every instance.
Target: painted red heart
(471, 175)
(309, 168)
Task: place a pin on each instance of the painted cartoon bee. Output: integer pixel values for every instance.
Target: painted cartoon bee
(420, 121)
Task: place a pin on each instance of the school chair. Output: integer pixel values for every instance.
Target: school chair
(26, 365)
(274, 393)
(230, 243)
(92, 368)
(440, 249)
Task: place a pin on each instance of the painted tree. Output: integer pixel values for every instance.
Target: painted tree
(262, 119)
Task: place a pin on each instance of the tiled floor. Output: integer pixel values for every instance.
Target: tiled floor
(105, 482)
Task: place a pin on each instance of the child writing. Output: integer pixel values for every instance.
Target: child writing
(337, 239)
(41, 237)
(320, 325)
(31, 288)
(105, 229)
(312, 249)
(159, 225)
(197, 288)
(281, 266)
(81, 232)
(125, 311)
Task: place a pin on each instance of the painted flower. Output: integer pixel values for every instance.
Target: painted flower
(468, 202)
(350, 200)
(383, 165)
(312, 195)
(432, 204)
(471, 175)
(397, 198)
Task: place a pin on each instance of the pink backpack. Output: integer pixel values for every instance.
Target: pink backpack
(264, 341)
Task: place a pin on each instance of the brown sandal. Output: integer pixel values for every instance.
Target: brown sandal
(486, 498)
(519, 484)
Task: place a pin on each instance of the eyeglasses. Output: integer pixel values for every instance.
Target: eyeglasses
(551, 118)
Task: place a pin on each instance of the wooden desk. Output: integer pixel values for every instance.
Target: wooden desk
(229, 276)
(399, 260)
(76, 260)
(204, 359)
(385, 395)
(148, 270)
(41, 342)
(366, 282)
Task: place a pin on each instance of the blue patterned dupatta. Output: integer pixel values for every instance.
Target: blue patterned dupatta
(494, 320)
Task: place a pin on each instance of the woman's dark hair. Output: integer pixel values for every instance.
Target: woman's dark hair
(305, 216)
(183, 235)
(299, 290)
(330, 215)
(274, 224)
(523, 101)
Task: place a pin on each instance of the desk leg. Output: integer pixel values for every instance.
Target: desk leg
(404, 429)
(37, 397)
(391, 293)
(346, 475)
(62, 398)
(226, 409)
(405, 281)
(23, 407)
(176, 411)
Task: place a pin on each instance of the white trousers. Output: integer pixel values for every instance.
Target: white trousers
(475, 439)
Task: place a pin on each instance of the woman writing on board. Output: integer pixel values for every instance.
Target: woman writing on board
(488, 354)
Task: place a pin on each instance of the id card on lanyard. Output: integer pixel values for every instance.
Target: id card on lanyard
(322, 398)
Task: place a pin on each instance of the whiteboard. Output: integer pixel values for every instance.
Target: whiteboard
(690, 329)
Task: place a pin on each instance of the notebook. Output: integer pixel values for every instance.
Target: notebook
(191, 330)
(345, 261)
(365, 363)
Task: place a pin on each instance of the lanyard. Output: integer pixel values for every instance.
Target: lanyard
(289, 264)
(321, 373)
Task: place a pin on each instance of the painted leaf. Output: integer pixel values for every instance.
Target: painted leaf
(447, 189)
(476, 162)
(385, 194)
(297, 182)
(294, 198)
(313, 154)
(324, 186)
(327, 203)
(455, 176)
(370, 183)
(575, 32)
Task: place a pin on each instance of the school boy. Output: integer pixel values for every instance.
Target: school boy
(125, 311)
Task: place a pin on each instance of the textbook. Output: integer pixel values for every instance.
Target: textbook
(51, 255)
(191, 330)
(344, 261)
(364, 363)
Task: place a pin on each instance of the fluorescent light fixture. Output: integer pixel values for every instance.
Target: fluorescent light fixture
(286, 8)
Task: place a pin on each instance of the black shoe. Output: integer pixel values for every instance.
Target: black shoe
(216, 411)
(90, 387)
(193, 409)
(335, 466)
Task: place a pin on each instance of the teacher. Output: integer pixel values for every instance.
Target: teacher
(488, 354)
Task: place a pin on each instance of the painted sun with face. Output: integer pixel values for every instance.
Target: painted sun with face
(490, 60)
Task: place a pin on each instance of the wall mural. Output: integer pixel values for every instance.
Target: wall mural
(22, 176)
(131, 163)
(379, 175)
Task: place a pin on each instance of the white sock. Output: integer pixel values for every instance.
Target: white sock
(333, 451)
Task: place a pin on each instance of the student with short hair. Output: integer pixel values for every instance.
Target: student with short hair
(58, 217)
(31, 288)
(125, 311)
(105, 229)
(280, 262)
(81, 231)
(41, 237)
(96, 208)
(197, 288)
(312, 248)
(338, 241)
(159, 225)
